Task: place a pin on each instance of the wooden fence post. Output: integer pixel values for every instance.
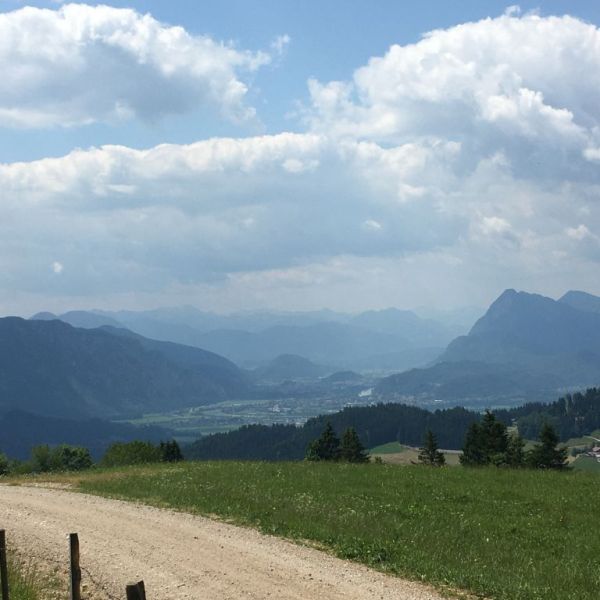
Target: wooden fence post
(136, 591)
(3, 565)
(75, 569)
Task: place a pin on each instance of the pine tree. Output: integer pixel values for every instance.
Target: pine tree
(429, 453)
(170, 451)
(486, 442)
(547, 454)
(515, 453)
(352, 449)
(495, 439)
(473, 452)
(325, 447)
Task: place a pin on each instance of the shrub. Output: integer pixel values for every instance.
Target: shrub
(61, 458)
(4, 464)
(131, 453)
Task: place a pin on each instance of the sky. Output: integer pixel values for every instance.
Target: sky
(275, 154)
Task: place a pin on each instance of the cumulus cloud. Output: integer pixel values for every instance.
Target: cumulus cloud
(80, 64)
(441, 172)
(515, 83)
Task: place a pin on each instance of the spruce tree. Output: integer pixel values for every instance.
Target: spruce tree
(547, 454)
(352, 449)
(486, 442)
(473, 452)
(495, 439)
(515, 453)
(170, 451)
(429, 453)
(325, 447)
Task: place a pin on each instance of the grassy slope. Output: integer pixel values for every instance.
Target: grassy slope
(397, 454)
(504, 534)
(586, 463)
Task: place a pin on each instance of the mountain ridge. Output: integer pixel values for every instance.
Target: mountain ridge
(55, 369)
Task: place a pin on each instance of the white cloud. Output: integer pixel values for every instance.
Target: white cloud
(372, 225)
(281, 43)
(80, 64)
(57, 268)
(510, 82)
(578, 233)
(444, 171)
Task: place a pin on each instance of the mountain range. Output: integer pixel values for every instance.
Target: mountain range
(526, 346)
(386, 340)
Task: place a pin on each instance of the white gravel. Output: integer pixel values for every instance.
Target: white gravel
(181, 556)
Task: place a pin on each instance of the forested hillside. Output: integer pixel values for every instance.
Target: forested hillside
(572, 416)
(54, 369)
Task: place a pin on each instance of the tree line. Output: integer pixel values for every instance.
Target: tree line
(486, 443)
(571, 416)
(64, 457)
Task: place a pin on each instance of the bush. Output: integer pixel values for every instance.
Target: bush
(4, 464)
(61, 458)
(131, 453)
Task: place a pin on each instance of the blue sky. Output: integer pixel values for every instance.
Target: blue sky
(320, 153)
(329, 40)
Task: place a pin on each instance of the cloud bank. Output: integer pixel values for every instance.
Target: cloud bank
(81, 64)
(439, 173)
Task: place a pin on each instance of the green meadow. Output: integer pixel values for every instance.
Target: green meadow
(495, 533)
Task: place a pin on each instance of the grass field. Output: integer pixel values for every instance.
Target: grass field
(497, 533)
(395, 453)
(586, 463)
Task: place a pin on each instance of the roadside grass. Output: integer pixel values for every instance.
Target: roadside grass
(25, 581)
(503, 534)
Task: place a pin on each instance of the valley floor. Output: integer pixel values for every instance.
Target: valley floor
(180, 556)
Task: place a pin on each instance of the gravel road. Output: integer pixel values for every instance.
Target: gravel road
(180, 556)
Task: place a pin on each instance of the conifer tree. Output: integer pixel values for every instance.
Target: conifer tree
(429, 453)
(352, 449)
(515, 453)
(495, 439)
(325, 447)
(547, 454)
(486, 442)
(473, 452)
(170, 451)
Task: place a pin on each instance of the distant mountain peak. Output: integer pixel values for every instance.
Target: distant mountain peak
(44, 316)
(581, 301)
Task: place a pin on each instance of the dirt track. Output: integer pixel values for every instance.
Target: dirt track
(182, 557)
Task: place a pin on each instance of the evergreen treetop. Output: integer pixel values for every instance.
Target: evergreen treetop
(429, 453)
(325, 447)
(351, 449)
(547, 454)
